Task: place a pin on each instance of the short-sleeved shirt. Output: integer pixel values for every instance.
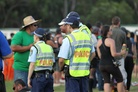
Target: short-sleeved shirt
(65, 50)
(33, 54)
(4, 48)
(120, 38)
(22, 38)
(94, 40)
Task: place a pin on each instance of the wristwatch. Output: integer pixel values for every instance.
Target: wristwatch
(55, 41)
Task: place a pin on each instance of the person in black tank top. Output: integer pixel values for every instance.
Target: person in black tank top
(106, 52)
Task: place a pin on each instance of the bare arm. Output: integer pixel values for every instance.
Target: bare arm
(111, 43)
(60, 40)
(61, 63)
(8, 56)
(31, 69)
(52, 44)
(92, 56)
(18, 48)
(135, 38)
(98, 50)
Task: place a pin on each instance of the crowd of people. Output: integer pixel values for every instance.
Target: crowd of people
(84, 56)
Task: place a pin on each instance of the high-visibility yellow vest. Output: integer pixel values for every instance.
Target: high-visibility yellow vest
(44, 59)
(79, 63)
(87, 30)
(84, 27)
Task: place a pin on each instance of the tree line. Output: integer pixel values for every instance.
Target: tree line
(51, 12)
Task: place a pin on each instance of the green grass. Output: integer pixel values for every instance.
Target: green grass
(9, 85)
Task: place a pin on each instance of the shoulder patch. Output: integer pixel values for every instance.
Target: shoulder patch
(31, 52)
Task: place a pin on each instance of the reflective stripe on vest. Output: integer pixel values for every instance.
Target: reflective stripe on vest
(44, 59)
(79, 64)
(80, 68)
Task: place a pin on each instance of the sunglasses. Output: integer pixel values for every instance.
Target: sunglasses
(35, 25)
(13, 88)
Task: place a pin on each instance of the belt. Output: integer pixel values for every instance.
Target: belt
(42, 71)
(47, 73)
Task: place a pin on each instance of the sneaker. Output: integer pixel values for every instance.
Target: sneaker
(56, 84)
(134, 83)
(62, 81)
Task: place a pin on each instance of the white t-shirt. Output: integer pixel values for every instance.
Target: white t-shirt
(94, 40)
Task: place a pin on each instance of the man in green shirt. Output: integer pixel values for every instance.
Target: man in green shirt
(21, 44)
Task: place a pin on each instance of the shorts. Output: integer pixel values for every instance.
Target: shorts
(108, 70)
(19, 74)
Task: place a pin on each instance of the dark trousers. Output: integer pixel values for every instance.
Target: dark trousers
(42, 84)
(129, 65)
(76, 84)
(100, 80)
(2, 82)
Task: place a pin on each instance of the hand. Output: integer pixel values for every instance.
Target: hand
(55, 38)
(30, 45)
(29, 83)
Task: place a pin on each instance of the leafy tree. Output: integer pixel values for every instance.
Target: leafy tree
(134, 5)
(104, 10)
(10, 10)
(53, 11)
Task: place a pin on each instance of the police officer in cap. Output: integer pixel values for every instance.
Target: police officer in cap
(82, 27)
(76, 53)
(41, 60)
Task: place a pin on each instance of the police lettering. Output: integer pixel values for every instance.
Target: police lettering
(82, 54)
(46, 62)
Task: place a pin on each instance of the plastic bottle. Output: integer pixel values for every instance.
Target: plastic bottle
(124, 47)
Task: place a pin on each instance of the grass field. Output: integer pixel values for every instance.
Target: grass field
(9, 85)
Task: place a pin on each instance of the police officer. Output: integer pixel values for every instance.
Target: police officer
(82, 27)
(41, 61)
(77, 51)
